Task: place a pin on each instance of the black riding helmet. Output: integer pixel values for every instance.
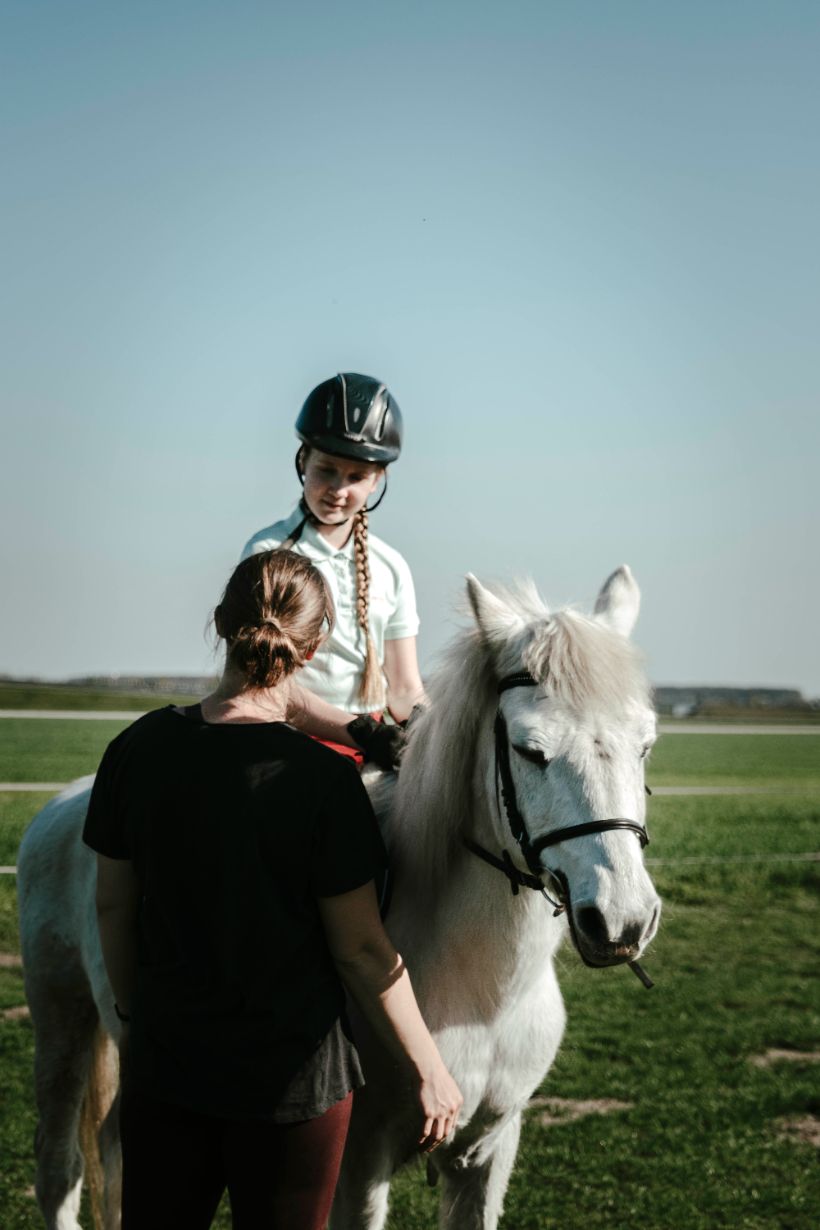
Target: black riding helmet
(352, 416)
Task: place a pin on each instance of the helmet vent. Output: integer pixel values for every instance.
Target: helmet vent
(383, 399)
(352, 415)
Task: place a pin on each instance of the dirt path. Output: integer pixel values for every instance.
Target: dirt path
(28, 787)
(80, 715)
(706, 790)
(733, 728)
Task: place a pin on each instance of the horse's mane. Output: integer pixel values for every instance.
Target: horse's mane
(578, 661)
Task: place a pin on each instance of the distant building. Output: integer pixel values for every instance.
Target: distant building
(686, 701)
(164, 685)
(671, 701)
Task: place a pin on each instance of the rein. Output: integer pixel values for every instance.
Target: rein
(530, 849)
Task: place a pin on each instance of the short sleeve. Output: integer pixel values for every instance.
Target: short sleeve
(267, 539)
(348, 850)
(103, 830)
(404, 621)
(255, 545)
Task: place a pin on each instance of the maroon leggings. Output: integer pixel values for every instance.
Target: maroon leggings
(178, 1162)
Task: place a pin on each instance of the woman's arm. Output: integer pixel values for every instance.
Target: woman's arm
(401, 666)
(380, 743)
(308, 713)
(117, 905)
(377, 978)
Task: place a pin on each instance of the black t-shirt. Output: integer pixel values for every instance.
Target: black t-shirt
(234, 830)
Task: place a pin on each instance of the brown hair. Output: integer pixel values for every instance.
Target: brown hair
(371, 685)
(275, 611)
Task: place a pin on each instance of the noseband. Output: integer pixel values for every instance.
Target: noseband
(530, 849)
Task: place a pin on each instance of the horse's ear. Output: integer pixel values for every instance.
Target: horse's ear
(496, 620)
(619, 601)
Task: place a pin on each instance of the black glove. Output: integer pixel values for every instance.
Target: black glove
(380, 743)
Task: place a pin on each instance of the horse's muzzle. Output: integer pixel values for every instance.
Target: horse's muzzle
(596, 945)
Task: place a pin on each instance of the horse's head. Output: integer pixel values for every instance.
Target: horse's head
(573, 727)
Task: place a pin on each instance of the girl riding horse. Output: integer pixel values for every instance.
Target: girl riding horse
(350, 429)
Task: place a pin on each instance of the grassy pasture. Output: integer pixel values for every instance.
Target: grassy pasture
(52, 749)
(735, 966)
(57, 750)
(15, 695)
(791, 761)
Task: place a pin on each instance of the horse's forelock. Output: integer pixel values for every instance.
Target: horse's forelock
(581, 662)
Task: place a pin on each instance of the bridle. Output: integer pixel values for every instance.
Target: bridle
(530, 849)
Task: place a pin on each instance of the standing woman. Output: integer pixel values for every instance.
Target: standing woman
(351, 430)
(235, 899)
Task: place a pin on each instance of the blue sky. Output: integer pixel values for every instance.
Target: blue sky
(578, 240)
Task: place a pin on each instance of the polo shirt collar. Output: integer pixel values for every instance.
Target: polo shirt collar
(312, 542)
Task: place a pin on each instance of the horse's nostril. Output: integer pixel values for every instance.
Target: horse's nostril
(592, 926)
(592, 923)
(630, 936)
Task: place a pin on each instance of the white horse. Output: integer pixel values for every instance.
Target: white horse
(527, 769)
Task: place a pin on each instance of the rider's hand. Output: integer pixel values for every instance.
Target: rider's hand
(380, 743)
(440, 1099)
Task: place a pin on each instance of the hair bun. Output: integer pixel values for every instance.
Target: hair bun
(273, 614)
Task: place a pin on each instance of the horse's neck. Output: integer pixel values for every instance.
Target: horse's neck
(464, 926)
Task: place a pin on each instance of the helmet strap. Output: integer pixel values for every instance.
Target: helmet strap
(381, 497)
(299, 473)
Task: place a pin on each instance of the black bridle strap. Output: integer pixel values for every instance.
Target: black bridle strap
(518, 879)
(504, 772)
(529, 849)
(594, 826)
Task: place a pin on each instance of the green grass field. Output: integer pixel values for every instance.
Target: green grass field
(736, 760)
(52, 749)
(57, 750)
(66, 696)
(702, 1142)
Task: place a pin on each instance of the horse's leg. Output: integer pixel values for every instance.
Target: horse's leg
(65, 1025)
(362, 1193)
(100, 1134)
(472, 1194)
(111, 1159)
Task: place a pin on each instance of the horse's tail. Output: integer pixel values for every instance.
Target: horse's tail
(101, 1090)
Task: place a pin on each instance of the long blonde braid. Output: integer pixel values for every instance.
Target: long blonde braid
(371, 687)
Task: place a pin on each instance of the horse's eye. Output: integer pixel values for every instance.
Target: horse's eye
(535, 756)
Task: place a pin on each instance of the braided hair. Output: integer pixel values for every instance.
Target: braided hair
(371, 686)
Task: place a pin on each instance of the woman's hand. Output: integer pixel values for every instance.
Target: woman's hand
(377, 978)
(441, 1100)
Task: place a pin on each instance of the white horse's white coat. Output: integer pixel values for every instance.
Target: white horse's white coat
(480, 958)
